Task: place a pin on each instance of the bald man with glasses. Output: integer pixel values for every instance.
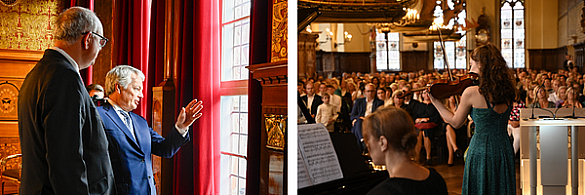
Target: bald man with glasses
(363, 107)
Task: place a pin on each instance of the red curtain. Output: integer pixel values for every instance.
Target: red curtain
(86, 74)
(197, 75)
(131, 46)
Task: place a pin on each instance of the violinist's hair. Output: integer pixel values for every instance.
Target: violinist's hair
(496, 82)
(393, 123)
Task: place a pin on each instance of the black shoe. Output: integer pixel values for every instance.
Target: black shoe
(429, 162)
(450, 165)
(458, 153)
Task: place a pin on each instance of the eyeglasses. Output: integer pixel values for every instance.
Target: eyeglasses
(103, 40)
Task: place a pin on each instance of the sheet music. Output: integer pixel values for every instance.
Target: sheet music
(318, 153)
(303, 176)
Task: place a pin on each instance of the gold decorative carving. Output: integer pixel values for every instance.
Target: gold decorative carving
(28, 24)
(279, 30)
(275, 128)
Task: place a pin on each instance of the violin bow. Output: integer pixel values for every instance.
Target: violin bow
(445, 59)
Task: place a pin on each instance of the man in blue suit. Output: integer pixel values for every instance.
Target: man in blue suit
(360, 111)
(131, 141)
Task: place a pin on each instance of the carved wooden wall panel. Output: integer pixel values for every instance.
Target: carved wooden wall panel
(415, 61)
(14, 65)
(279, 48)
(273, 78)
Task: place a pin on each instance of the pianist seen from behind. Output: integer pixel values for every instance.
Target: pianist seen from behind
(390, 137)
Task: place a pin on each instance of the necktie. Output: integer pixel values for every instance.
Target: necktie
(126, 120)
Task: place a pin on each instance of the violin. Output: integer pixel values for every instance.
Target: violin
(443, 88)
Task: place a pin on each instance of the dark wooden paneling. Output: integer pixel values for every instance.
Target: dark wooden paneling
(344, 62)
(546, 59)
(415, 61)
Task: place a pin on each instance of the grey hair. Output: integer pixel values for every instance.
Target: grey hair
(122, 75)
(73, 22)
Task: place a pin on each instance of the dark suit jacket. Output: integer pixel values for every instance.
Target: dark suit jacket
(359, 110)
(316, 102)
(131, 159)
(64, 145)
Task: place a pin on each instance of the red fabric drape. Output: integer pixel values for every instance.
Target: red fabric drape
(86, 74)
(198, 77)
(131, 46)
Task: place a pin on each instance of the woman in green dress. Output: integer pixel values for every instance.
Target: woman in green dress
(489, 165)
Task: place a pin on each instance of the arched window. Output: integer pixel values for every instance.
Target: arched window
(387, 58)
(456, 50)
(512, 32)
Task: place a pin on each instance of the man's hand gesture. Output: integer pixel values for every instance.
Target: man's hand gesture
(188, 115)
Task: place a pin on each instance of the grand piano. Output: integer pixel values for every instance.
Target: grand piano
(358, 176)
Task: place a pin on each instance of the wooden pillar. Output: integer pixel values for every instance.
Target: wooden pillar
(307, 55)
(163, 96)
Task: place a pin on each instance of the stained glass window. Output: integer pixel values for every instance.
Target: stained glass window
(387, 58)
(512, 33)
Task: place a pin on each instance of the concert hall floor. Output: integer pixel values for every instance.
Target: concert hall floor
(454, 176)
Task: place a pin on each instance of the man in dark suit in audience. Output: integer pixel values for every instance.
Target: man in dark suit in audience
(64, 145)
(312, 100)
(363, 107)
(132, 141)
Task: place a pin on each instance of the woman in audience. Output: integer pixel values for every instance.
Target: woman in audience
(451, 104)
(381, 94)
(561, 95)
(390, 138)
(489, 164)
(398, 99)
(388, 97)
(572, 100)
(429, 121)
(542, 98)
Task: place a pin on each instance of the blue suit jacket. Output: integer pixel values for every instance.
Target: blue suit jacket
(359, 110)
(131, 159)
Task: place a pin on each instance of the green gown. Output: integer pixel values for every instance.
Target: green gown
(489, 165)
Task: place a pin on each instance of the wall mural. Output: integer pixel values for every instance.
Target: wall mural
(28, 24)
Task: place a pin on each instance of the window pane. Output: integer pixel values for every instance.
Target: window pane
(243, 145)
(234, 185)
(242, 186)
(228, 11)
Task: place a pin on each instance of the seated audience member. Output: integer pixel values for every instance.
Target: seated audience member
(95, 90)
(326, 112)
(381, 94)
(361, 108)
(451, 136)
(390, 138)
(542, 98)
(572, 100)
(131, 140)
